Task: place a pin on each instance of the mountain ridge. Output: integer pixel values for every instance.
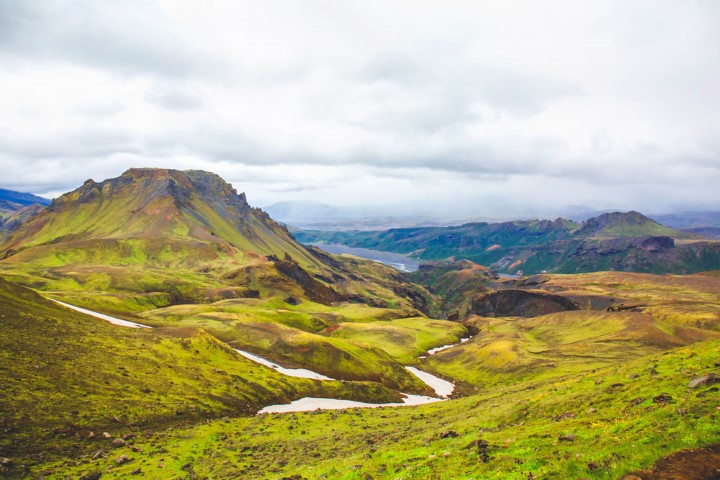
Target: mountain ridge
(612, 241)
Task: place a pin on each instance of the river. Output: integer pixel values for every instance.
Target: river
(396, 260)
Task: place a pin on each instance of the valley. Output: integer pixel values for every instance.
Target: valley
(261, 354)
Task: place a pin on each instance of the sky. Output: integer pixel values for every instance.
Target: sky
(486, 108)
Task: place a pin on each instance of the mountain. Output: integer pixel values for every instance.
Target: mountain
(686, 220)
(10, 197)
(611, 241)
(180, 209)
(16, 208)
(619, 225)
(191, 228)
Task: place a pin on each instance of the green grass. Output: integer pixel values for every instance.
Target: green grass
(264, 328)
(513, 350)
(613, 431)
(404, 339)
(68, 372)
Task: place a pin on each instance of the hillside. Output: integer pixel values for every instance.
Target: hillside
(154, 238)
(611, 241)
(65, 373)
(168, 236)
(193, 208)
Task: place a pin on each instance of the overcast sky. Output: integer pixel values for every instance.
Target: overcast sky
(490, 107)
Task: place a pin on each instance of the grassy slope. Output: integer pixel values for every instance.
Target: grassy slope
(283, 332)
(686, 300)
(63, 370)
(403, 339)
(513, 350)
(616, 424)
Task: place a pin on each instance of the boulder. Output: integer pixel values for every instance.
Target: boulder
(709, 379)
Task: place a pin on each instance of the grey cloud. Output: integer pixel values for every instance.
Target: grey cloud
(175, 100)
(127, 37)
(76, 145)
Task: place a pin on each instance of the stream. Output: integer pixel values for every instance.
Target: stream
(443, 389)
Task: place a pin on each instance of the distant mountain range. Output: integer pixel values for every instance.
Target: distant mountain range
(314, 215)
(16, 207)
(611, 241)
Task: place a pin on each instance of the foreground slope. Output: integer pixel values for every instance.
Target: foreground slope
(600, 425)
(66, 374)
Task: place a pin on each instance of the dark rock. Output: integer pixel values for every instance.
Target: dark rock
(91, 476)
(137, 471)
(662, 399)
(637, 401)
(293, 301)
(122, 459)
(448, 434)
(535, 280)
(592, 466)
(482, 449)
(520, 303)
(5, 462)
(709, 379)
(118, 442)
(567, 438)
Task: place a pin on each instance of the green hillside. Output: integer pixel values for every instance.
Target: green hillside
(612, 241)
(65, 373)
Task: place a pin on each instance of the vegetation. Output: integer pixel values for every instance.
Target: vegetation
(64, 372)
(598, 425)
(620, 374)
(612, 241)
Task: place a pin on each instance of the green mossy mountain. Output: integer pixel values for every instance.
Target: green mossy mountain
(197, 213)
(612, 241)
(169, 236)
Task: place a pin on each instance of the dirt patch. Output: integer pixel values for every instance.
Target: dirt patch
(698, 464)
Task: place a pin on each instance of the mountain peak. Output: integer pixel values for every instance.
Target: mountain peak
(193, 207)
(623, 224)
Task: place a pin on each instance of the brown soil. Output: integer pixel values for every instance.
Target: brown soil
(698, 464)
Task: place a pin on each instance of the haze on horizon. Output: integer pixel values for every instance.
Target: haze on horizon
(489, 108)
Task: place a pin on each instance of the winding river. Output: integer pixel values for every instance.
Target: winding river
(443, 389)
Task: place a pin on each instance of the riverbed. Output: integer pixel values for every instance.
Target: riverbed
(396, 260)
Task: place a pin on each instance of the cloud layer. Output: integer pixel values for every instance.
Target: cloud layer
(493, 107)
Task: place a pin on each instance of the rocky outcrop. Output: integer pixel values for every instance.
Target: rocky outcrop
(520, 303)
